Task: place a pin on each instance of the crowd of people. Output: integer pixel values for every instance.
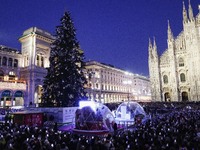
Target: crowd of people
(172, 126)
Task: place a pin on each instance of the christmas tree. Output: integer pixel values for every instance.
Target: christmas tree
(64, 83)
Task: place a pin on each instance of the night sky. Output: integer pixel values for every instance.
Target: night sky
(114, 32)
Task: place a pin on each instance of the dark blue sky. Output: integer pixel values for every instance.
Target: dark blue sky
(110, 31)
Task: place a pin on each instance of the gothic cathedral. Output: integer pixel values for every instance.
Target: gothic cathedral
(175, 75)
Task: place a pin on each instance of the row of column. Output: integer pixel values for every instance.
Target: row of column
(109, 98)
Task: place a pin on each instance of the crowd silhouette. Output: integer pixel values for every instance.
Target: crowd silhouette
(170, 126)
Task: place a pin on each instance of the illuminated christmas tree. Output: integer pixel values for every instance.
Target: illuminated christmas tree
(64, 83)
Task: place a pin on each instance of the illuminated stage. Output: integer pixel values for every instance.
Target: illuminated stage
(129, 113)
(92, 118)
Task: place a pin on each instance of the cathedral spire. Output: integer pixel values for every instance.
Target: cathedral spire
(154, 52)
(191, 16)
(169, 32)
(185, 17)
(150, 44)
(154, 43)
(150, 48)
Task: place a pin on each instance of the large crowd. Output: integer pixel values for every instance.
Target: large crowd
(172, 126)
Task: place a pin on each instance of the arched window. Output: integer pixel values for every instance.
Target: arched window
(10, 61)
(38, 60)
(181, 62)
(165, 79)
(42, 61)
(97, 85)
(4, 63)
(15, 63)
(182, 77)
(0, 60)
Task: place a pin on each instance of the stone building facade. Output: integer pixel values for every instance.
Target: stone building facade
(22, 74)
(107, 83)
(175, 75)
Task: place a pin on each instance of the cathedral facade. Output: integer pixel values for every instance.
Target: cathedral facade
(175, 75)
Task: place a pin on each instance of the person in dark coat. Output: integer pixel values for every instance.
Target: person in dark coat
(115, 128)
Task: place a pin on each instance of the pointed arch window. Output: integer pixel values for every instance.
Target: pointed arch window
(165, 79)
(181, 62)
(182, 77)
(97, 86)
